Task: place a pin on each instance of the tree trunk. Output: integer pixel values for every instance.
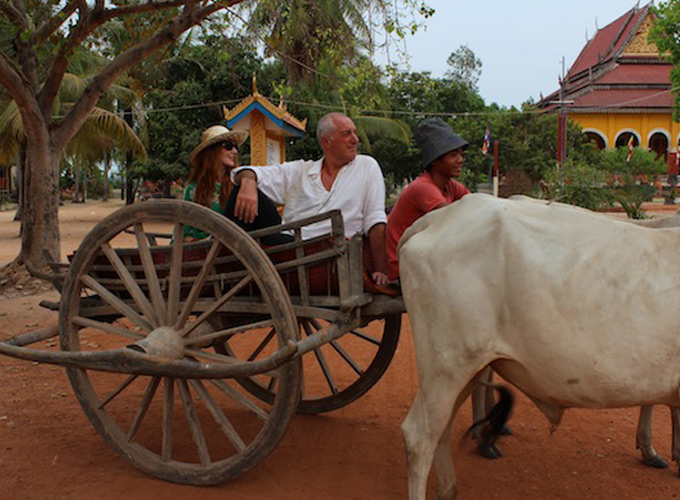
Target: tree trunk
(76, 184)
(40, 207)
(85, 169)
(107, 164)
(21, 161)
(130, 185)
(130, 191)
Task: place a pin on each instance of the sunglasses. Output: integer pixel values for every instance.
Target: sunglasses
(228, 145)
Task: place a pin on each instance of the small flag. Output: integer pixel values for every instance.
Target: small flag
(630, 148)
(486, 145)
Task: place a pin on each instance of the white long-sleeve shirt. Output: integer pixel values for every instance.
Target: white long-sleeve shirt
(358, 192)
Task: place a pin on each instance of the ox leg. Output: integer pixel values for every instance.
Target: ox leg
(424, 429)
(643, 439)
(482, 402)
(447, 485)
(675, 417)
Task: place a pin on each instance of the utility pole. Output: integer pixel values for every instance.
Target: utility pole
(562, 121)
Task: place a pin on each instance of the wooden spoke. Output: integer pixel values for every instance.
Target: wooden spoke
(366, 337)
(117, 390)
(262, 345)
(218, 415)
(198, 285)
(229, 332)
(106, 327)
(321, 359)
(341, 351)
(194, 424)
(150, 272)
(131, 285)
(115, 302)
(240, 398)
(315, 323)
(143, 407)
(175, 278)
(219, 303)
(168, 404)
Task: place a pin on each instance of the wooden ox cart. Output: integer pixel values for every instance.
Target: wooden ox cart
(189, 358)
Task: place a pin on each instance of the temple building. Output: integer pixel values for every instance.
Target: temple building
(620, 86)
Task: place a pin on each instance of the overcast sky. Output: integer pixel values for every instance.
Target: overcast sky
(520, 43)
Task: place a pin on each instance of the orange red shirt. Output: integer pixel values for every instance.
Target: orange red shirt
(419, 197)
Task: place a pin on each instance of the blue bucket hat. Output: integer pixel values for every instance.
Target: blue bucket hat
(435, 138)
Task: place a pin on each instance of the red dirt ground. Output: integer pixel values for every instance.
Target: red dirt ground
(48, 449)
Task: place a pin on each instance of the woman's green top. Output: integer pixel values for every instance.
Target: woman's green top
(189, 194)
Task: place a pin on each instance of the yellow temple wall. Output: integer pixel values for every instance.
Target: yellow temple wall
(610, 126)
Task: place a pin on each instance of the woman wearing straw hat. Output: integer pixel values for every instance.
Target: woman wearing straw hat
(211, 162)
(210, 185)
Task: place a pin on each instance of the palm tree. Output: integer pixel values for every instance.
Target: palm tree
(303, 32)
(101, 132)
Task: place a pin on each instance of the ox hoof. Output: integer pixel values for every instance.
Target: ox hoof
(489, 451)
(656, 462)
(506, 431)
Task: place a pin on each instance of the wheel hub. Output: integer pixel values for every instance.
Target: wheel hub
(163, 341)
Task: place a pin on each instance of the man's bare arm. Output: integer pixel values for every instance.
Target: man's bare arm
(377, 238)
(245, 208)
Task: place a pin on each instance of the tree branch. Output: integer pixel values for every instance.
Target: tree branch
(152, 5)
(86, 24)
(16, 85)
(190, 16)
(53, 23)
(13, 14)
(88, 21)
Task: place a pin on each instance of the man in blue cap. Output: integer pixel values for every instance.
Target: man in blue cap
(442, 152)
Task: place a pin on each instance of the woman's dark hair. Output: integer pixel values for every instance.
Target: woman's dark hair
(205, 175)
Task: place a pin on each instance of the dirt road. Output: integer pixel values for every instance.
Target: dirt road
(48, 449)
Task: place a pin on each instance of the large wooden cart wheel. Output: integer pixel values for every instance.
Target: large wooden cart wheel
(120, 290)
(337, 373)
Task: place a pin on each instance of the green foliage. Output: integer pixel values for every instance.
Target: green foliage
(424, 95)
(527, 141)
(304, 34)
(398, 161)
(631, 196)
(464, 66)
(578, 184)
(217, 70)
(665, 34)
(642, 162)
(605, 179)
(630, 187)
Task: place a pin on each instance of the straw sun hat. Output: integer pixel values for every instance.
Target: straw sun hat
(214, 135)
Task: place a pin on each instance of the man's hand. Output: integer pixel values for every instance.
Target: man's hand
(245, 208)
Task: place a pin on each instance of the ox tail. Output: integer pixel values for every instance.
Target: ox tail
(496, 419)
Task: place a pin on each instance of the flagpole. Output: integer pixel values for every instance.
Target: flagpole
(496, 174)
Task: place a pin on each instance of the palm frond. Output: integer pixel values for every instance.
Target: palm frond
(100, 132)
(378, 126)
(11, 133)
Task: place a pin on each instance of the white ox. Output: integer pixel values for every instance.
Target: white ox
(575, 309)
